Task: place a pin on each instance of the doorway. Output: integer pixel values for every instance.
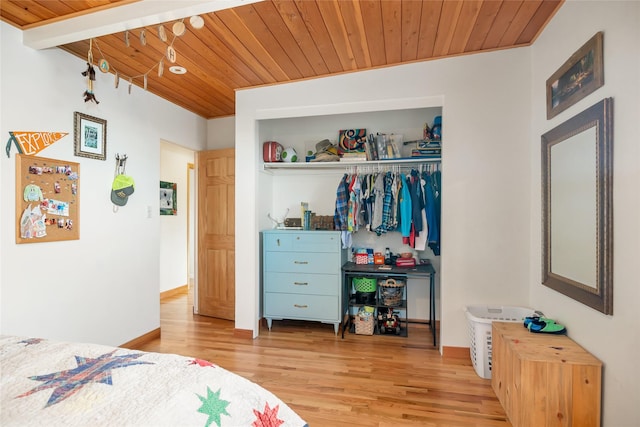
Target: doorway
(176, 236)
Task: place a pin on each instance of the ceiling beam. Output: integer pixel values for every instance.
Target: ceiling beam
(121, 18)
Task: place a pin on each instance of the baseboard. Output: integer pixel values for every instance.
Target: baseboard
(246, 334)
(143, 339)
(455, 352)
(180, 290)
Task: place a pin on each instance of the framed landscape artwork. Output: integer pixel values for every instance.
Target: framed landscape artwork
(579, 76)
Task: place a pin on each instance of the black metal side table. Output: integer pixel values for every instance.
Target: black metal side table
(420, 272)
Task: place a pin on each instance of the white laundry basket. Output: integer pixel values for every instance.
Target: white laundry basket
(480, 318)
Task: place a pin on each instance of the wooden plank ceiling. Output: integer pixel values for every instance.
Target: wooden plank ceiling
(279, 41)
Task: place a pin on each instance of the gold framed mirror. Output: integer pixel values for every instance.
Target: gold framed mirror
(577, 211)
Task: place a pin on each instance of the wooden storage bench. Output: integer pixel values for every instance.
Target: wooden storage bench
(545, 379)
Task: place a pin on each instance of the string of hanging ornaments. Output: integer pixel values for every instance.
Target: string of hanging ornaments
(178, 30)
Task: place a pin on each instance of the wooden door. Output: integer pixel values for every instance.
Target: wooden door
(216, 233)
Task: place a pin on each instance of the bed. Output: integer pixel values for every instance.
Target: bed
(44, 382)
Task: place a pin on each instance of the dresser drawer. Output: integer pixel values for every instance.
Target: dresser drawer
(298, 306)
(302, 262)
(303, 283)
(305, 241)
(302, 276)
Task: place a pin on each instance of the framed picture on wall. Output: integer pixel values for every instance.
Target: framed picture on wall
(580, 75)
(168, 199)
(90, 136)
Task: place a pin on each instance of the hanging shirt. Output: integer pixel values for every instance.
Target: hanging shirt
(378, 203)
(395, 188)
(433, 236)
(436, 182)
(386, 206)
(354, 203)
(417, 201)
(341, 212)
(405, 210)
(421, 238)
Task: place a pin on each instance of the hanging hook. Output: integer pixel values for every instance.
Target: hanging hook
(121, 164)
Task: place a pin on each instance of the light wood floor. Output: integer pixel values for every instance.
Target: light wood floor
(359, 381)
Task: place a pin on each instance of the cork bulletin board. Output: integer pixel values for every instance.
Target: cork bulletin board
(47, 199)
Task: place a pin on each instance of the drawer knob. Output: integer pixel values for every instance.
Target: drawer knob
(300, 283)
(278, 241)
(300, 306)
(301, 262)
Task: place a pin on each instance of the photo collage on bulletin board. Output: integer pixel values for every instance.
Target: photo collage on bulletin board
(47, 199)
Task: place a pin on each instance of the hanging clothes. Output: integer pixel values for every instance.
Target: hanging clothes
(433, 236)
(417, 201)
(387, 205)
(342, 212)
(365, 206)
(378, 202)
(421, 238)
(354, 203)
(404, 201)
(436, 181)
(395, 189)
(381, 202)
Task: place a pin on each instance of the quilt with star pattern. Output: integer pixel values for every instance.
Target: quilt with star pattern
(54, 383)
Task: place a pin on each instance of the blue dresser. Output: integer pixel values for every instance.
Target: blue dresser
(302, 276)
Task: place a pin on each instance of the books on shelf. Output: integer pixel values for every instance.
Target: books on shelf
(370, 150)
(354, 156)
(427, 149)
(353, 160)
(429, 153)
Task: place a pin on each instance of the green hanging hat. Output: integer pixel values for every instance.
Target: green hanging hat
(121, 189)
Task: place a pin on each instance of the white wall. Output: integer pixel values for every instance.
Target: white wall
(221, 133)
(103, 287)
(613, 339)
(486, 171)
(174, 265)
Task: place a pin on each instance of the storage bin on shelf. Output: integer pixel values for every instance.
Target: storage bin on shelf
(480, 318)
(362, 259)
(364, 321)
(365, 288)
(391, 291)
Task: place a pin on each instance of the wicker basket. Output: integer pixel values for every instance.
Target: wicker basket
(391, 292)
(364, 325)
(365, 322)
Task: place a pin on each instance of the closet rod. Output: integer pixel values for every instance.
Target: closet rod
(364, 168)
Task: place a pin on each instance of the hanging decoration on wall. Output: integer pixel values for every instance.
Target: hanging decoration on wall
(103, 65)
(123, 185)
(162, 33)
(31, 143)
(88, 94)
(90, 74)
(47, 200)
(178, 29)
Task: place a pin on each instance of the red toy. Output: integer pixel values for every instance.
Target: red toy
(388, 322)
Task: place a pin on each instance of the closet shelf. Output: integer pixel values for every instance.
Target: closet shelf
(345, 164)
